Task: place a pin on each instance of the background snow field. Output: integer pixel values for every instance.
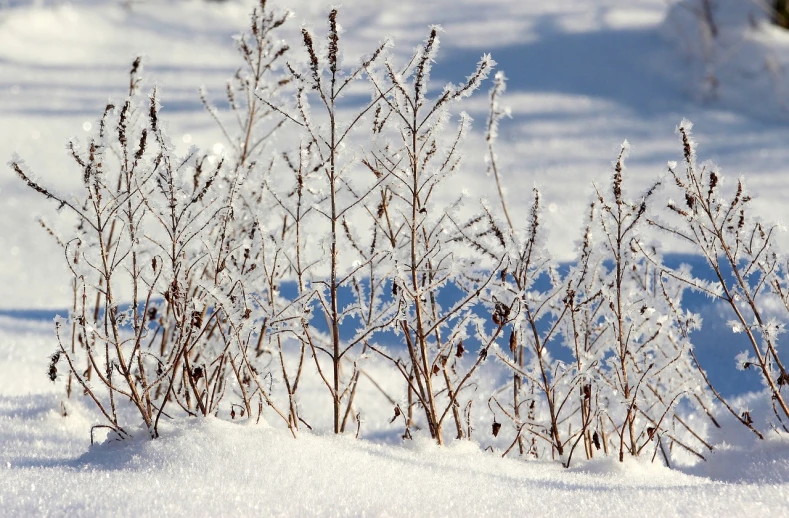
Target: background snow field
(583, 76)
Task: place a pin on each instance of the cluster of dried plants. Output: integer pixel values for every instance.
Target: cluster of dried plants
(214, 286)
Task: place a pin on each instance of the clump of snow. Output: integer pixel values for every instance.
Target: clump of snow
(763, 462)
(635, 471)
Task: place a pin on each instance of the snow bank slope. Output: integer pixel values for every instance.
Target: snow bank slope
(209, 467)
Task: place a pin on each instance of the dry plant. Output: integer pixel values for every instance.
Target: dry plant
(115, 252)
(328, 176)
(201, 283)
(638, 335)
(614, 310)
(417, 158)
(748, 268)
(257, 235)
(173, 275)
(517, 300)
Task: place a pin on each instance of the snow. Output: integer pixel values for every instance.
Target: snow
(582, 78)
(211, 467)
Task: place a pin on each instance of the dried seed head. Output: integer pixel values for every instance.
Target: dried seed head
(141, 148)
(496, 428)
(334, 39)
(153, 113)
(690, 200)
(617, 186)
(424, 63)
(197, 319)
(52, 371)
(687, 145)
(310, 46)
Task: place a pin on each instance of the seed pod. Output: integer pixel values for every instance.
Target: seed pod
(503, 311)
(651, 433)
(513, 342)
(596, 440)
(496, 428)
(396, 414)
(197, 319)
(436, 369)
(460, 349)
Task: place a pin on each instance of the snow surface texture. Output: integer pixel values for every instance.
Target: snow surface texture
(208, 467)
(212, 467)
(583, 77)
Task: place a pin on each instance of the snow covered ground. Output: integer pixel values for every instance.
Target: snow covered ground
(584, 76)
(216, 468)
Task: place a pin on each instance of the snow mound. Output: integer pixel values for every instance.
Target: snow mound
(205, 467)
(640, 471)
(765, 462)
